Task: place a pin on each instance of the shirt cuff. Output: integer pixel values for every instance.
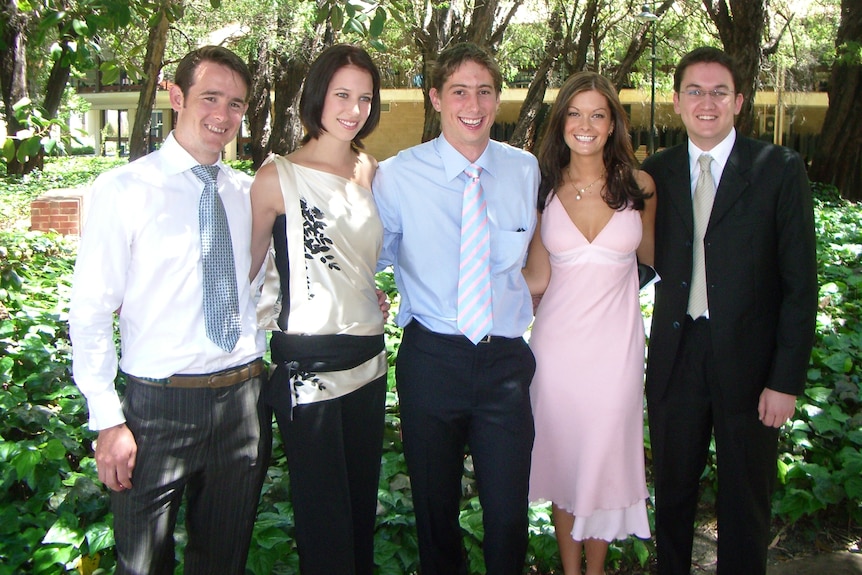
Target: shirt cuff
(106, 410)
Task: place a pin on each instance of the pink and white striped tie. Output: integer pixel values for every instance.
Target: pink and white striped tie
(474, 277)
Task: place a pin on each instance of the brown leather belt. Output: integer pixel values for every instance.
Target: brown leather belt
(224, 378)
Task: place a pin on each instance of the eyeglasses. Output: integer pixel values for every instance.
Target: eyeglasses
(700, 94)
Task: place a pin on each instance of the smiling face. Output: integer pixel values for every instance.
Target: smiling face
(708, 119)
(348, 103)
(467, 103)
(210, 113)
(588, 123)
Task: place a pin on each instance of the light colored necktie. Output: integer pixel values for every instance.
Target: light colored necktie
(474, 277)
(221, 305)
(704, 196)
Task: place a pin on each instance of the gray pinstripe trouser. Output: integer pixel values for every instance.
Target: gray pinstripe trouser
(211, 444)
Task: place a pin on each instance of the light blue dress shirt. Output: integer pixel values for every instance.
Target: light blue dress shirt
(418, 194)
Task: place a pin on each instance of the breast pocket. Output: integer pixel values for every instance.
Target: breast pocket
(508, 250)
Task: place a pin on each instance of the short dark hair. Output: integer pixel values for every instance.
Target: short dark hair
(451, 59)
(184, 77)
(316, 85)
(622, 189)
(706, 55)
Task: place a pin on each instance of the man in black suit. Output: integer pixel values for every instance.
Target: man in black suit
(734, 317)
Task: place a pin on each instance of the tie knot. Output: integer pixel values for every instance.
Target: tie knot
(207, 173)
(704, 160)
(473, 171)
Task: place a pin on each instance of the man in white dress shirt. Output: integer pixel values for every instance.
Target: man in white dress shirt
(190, 420)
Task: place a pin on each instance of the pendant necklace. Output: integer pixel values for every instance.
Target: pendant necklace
(581, 191)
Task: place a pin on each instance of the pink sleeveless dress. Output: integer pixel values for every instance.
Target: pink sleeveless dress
(587, 394)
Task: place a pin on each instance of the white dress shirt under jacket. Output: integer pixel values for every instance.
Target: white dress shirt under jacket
(140, 253)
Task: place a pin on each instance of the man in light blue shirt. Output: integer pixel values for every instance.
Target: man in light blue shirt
(463, 387)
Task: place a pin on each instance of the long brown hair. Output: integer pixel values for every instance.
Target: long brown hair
(622, 189)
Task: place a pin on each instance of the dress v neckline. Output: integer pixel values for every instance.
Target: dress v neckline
(582, 234)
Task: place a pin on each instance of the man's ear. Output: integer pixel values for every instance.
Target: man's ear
(435, 98)
(176, 97)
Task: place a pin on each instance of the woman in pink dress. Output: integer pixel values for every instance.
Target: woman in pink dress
(596, 215)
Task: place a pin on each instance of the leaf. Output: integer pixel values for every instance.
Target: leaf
(64, 531)
(110, 72)
(25, 464)
(353, 25)
(336, 17)
(99, 536)
(32, 145)
(80, 27)
(9, 149)
(53, 449)
(641, 551)
(22, 103)
(378, 23)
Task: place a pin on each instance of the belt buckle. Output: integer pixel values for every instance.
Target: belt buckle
(486, 339)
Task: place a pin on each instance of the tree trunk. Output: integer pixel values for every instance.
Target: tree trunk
(838, 157)
(57, 81)
(444, 27)
(585, 35)
(13, 71)
(527, 126)
(260, 103)
(741, 35)
(156, 42)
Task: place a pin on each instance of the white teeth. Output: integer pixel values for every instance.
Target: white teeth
(347, 124)
(707, 117)
(216, 130)
(585, 138)
(472, 122)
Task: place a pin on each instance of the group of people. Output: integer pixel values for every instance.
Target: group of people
(178, 246)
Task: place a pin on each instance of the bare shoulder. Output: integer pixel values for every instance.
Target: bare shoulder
(266, 190)
(366, 167)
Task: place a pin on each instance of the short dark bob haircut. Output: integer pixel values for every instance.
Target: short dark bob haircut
(317, 82)
(451, 59)
(706, 55)
(184, 77)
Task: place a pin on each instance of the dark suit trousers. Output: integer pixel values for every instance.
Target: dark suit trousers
(681, 424)
(455, 394)
(211, 444)
(333, 452)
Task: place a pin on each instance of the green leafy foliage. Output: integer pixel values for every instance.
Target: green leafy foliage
(54, 514)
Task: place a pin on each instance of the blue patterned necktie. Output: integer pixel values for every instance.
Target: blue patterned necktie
(221, 305)
(474, 277)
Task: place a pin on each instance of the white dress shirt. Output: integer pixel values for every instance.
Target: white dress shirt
(140, 255)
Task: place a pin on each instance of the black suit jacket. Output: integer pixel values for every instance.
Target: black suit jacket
(760, 268)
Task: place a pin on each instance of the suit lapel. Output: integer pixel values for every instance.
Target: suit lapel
(678, 188)
(734, 181)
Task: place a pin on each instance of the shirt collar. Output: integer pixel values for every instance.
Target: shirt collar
(454, 163)
(176, 159)
(720, 153)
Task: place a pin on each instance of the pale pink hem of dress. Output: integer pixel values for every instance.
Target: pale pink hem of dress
(613, 524)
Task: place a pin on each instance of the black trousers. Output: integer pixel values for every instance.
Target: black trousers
(681, 425)
(333, 452)
(453, 395)
(211, 444)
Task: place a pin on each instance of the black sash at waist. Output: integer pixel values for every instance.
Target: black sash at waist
(294, 354)
(314, 353)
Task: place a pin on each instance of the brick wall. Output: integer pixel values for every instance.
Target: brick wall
(61, 211)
